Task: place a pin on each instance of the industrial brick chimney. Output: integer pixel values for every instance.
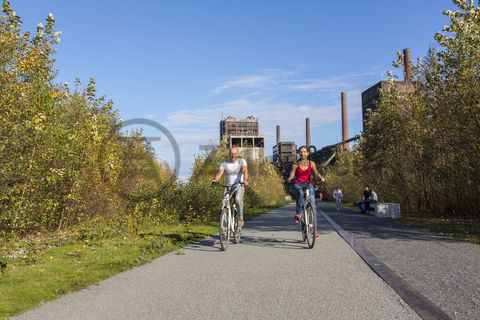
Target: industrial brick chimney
(309, 137)
(407, 65)
(344, 120)
(278, 134)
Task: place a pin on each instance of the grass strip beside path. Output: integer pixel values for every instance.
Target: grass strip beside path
(30, 279)
(463, 229)
(45, 275)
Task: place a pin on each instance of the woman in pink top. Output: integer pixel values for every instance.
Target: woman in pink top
(302, 171)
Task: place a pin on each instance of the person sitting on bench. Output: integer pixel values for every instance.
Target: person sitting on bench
(364, 204)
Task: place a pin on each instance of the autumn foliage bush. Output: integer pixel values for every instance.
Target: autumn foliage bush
(63, 159)
(65, 163)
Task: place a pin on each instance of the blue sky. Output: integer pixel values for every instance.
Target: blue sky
(184, 64)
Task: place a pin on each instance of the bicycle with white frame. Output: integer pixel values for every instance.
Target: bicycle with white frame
(228, 224)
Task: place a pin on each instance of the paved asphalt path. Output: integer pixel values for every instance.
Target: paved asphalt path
(270, 275)
(443, 269)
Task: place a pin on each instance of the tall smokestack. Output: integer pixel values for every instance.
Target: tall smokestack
(278, 134)
(309, 138)
(344, 119)
(407, 64)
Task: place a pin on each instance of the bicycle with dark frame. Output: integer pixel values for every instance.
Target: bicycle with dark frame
(305, 211)
(308, 222)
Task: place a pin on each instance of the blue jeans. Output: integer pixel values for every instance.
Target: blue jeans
(300, 201)
(338, 201)
(364, 206)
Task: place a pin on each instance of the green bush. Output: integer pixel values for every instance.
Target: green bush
(345, 173)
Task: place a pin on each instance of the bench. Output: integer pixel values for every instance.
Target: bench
(385, 210)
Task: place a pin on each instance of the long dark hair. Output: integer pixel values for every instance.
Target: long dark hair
(303, 147)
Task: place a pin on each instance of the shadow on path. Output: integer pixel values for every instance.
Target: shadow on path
(274, 229)
(368, 226)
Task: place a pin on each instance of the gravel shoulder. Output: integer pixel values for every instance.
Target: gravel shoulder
(443, 269)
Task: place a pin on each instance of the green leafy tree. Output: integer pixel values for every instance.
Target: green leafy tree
(422, 148)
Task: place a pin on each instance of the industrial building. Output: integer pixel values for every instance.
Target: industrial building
(244, 133)
(371, 96)
(285, 151)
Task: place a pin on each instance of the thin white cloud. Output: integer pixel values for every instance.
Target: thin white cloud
(262, 81)
(321, 85)
(248, 82)
(185, 117)
(334, 83)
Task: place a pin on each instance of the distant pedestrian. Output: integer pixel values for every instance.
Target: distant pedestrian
(338, 196)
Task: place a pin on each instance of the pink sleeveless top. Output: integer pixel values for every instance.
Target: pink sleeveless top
(303, 175)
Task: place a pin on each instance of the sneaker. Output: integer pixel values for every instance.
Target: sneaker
(297, 217)
(317, 235)
(240, 223)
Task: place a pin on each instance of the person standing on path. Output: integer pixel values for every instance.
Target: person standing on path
(302, 171)
(338, 196)
(236, 172)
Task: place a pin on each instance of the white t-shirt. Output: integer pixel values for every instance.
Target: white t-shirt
(337, 194)
(233, 171)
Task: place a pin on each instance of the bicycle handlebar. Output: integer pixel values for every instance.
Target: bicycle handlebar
(304, 182)
(225, 186)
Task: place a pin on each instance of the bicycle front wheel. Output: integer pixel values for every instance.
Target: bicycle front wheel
(311, 226)
(302, 226)
(224, 232)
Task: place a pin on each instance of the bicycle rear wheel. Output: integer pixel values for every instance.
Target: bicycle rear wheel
(311, 226)
(224, 232)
